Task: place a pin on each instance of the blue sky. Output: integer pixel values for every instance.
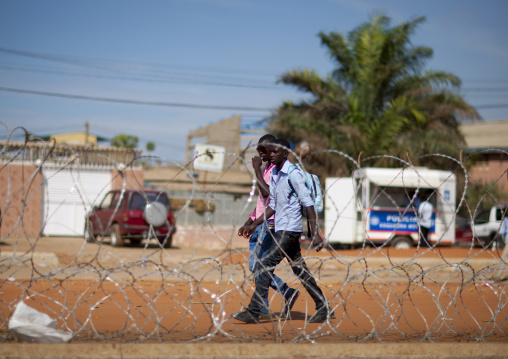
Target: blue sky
(225, 53)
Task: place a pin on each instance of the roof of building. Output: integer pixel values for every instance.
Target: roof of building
(485, 134)
(183, 179)
(75, 138)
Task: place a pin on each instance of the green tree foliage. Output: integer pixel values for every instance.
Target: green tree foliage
(124, 141)
(483, 194)
(378, 101)
(150, 146)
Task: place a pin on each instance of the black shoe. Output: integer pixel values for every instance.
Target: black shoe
(292, 296)
(246, 317)
(268, 315)
(322, 315)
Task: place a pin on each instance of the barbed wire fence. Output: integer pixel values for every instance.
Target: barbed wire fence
(144, 293)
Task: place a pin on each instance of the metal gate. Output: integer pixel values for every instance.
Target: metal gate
(68, 194)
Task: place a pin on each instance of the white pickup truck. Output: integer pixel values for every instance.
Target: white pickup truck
(487, 224)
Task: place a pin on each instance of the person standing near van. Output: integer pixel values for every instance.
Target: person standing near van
(425, 210)
(503, 232)
(288, 230)
(261, 239)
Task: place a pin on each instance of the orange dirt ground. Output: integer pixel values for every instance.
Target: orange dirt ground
(135, 310)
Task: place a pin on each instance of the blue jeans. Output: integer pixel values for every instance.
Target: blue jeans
(259, 246)
(286, 245)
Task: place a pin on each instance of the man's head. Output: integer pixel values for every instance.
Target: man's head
(279, 151)
(428, 193)
(263, 146)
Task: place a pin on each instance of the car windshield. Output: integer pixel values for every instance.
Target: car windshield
(139, 200)
(482, 217)
(499, 214)
(462, 223)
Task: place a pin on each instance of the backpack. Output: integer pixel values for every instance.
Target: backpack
(313, 185)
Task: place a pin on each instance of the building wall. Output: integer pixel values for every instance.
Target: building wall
(133, 179)
(229, 134)
(492, 167)
(21, 197)
(78, 138)
(487, 144)
(20, 200)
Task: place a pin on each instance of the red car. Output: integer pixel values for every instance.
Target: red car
(132, 215)
(463, 232)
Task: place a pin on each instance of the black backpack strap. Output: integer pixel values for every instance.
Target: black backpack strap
(289, 181)
(313, 184)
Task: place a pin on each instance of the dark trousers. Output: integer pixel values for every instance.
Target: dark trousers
(424, 237)
(286, 245)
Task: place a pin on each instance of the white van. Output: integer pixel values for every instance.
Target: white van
(378, 206)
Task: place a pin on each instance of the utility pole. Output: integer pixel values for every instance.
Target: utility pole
(87, 128)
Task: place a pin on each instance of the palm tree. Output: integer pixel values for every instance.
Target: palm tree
(379, 101)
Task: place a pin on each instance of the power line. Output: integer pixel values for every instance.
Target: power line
(150, 78)
(135, 102)
(485, 89)
(170, 104)
(136, 71)
(101, 63)
(492, 106)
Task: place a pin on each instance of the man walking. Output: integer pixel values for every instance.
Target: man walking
(287, 208)
(503, 232)
(425, 210)
(261, 239)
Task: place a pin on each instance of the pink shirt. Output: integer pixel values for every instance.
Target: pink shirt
(262, 202)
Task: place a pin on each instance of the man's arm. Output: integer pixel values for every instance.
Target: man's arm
(504, 227)
(242, 228)
(250, 228)
(316, 239)
(262, 186)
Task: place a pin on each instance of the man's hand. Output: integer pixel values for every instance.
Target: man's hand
(249, 230)
(264, 191)
(317, 242)
(246, 230)
(241, 231)
(245, 225)
(256, 162)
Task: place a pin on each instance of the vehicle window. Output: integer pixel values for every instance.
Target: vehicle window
(138, 201)
(499, 214)
(385, 197)
(462, 223)
(124, 200)
(397, 197)
(482, 217)
(114, 200)
(159, 197)
(106, 202)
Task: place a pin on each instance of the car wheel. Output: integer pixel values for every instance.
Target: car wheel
(495, 242)
(167, 242)
(116, 237)
(88, 232)
(402, 242)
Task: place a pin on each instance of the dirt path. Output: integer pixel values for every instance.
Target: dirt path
(188, 293)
